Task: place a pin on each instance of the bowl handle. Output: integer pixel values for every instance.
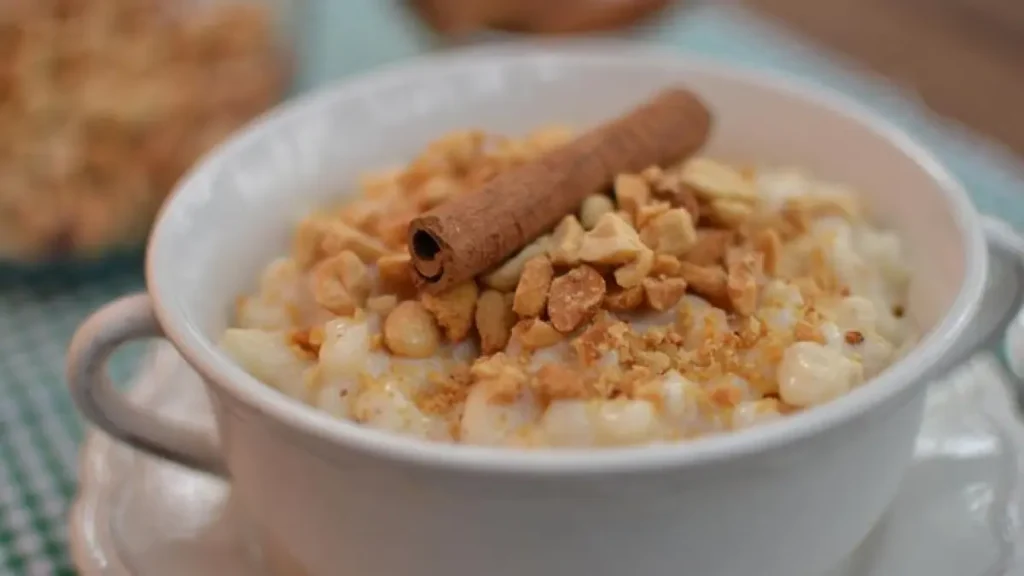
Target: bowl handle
(1002, 300)
(126, 319)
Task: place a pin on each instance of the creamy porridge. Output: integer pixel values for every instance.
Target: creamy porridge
(692, 299)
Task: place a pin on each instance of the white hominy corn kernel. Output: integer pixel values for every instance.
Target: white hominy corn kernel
(623, 421)
(268, 357)
(385, 406)
(811, 374)
(569, 423)
(345, 349)
(489, 423)
(752, 413)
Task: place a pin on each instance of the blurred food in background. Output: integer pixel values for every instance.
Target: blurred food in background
(105, 103)
(458, 17)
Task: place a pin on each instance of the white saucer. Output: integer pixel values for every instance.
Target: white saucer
(960, 513)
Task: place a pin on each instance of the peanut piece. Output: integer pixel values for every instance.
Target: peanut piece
(339, 237)
(554, 382)
(410, 331)
(657, 362)
(663, 293)
(768, 243)
(742, 284)
(715, 181)
(494, 320)
(707, 281)
(710, 247)
(535, 334)
(624, 300)
(612, 241)
(633, 274)
(341, 283)
(645, 214)
(453, 309)
(507, 275)
(502, 376)
(665, 265)
(575, 297)
(395, 272)
(730, 213)
(671, 233)
(309, 235)
(532, 292)
(566, 241)
(594, 207)
(670, 187)
(631, 192)
(682, 196)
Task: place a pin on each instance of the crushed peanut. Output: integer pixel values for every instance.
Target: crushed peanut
(648, 212)
(768, 243)
(341, 283)
(494, 319)
(741, 284)
(395, 271)
(506, 277)
(631, 192)
(716, 181)
(729, 213)
(625, 299)
(575, 297)
(708, 281)
(710, 247)
(611, 241)
(503, 376)
(557, 382)
(665, 265)
(663, 293)
(535, 334)
(566, 241)
(453, 309)
(671, 233)
(531, 294)
(593, 208)
(674, 190)
(633, 274)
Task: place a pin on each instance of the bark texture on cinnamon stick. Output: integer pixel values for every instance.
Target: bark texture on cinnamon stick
(475, 232)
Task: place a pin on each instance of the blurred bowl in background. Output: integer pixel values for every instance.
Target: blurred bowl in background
(462, 17)
(105, 104)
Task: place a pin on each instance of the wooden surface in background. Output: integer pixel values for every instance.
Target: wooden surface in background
(964, 58)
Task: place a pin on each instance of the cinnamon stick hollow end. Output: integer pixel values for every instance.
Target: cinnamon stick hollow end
(429, 250)
(475, 232)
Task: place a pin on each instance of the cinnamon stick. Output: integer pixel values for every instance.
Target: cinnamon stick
(474, 232)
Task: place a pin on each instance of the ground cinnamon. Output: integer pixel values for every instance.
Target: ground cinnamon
(472, 233)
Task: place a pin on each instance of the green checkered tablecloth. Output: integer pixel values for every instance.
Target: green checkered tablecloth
(39, 310)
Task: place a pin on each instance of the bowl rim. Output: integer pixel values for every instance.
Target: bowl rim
(910, 371)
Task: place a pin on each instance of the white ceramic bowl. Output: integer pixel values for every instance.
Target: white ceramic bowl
(326, 496)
